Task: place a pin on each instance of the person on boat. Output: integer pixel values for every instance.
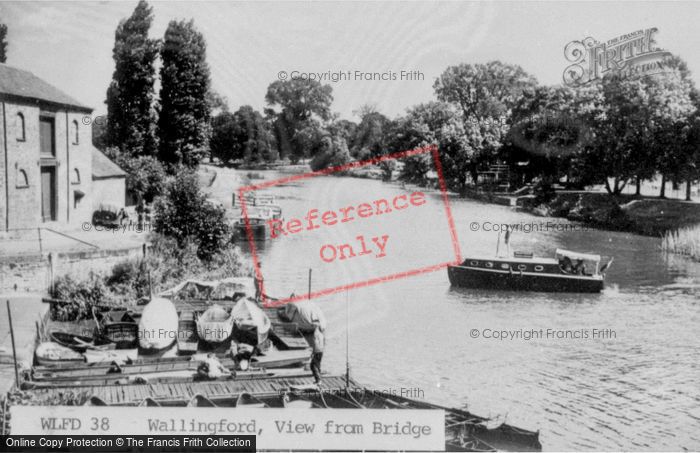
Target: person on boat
(258, 284)
(211, 368)
(319, 343)
(580, 268)
(567, 265)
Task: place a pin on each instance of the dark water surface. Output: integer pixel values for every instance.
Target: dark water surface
(636, 386)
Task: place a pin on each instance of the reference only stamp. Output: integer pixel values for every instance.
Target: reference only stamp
(348, 234)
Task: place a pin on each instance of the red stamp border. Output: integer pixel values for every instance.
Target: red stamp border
(433, 149)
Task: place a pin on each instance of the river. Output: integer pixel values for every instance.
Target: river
(633, 387)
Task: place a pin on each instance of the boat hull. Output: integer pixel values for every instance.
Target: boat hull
(469, 277)
(260, 232)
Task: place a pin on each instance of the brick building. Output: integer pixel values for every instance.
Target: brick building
(47, 157)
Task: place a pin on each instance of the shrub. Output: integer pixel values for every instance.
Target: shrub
(184, 214)
(146, 175)
(543, 191)
(81, 296)
(128, 280)
(167, 264)
(333, 153)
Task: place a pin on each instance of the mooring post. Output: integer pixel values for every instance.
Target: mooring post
(12, 337)
(309, 283)
(41, 251)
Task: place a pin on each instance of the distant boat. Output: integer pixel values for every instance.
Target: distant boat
(566, 272)
(158, 326)
(254, 200)
(257, 219)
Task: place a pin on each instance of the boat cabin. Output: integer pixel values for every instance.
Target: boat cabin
(576, 263)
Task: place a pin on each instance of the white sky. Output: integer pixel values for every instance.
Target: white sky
(69, 44)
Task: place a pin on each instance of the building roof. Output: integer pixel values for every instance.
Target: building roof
(103, 168)
(19, 83)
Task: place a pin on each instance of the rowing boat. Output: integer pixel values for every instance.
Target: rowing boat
(158, 326)
(187, 339)
(53, 355)
(79, 343)
(215, 325)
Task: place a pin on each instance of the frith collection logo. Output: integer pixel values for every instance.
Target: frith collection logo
(631, 55)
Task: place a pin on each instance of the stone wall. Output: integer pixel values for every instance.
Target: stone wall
(33, 273)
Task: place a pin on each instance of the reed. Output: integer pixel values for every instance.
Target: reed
(683, 241)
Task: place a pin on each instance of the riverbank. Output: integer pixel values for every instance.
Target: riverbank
(645, 216)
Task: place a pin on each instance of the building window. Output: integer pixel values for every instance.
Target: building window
(22, 179)
(47, 137)
(21, 130)
(76, 177)
(75, 133)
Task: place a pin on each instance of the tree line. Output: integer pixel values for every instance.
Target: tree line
(615, 131)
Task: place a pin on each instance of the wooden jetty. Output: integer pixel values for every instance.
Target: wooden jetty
(174, 381)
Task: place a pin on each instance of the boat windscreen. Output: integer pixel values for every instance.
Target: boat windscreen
(574, 256)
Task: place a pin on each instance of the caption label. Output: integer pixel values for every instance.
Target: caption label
(353, 429)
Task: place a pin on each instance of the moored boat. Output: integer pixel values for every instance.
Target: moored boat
(257, 219)
(119, 328)
(77, 342)
(187, 339)
(252, 199)
(111, 356)
(158, 325)
(215, 324)
(566, 272)
(251, 324)
(53, 354)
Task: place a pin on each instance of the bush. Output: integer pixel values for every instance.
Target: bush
(334, 152)
(146, 175)
(543, 191)
(184, 214)
(81, 296)
(167, 264)
(128, 280)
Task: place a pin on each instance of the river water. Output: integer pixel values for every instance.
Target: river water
(635, 386)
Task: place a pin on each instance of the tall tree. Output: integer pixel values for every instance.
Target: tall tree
(183, 127)
(439, 123)
(333, 151)
(483, 90)
(132, 121)
(485, 94)
(3, 43)
(640, 126)
(371, 135)
(242, 135)
(547, 130)
(675, 106)
(300, 108)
